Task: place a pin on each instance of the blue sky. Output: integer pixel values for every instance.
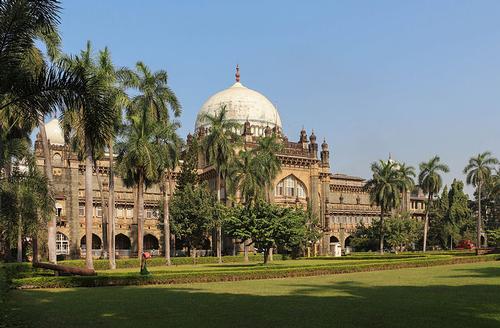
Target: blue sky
(411, 78)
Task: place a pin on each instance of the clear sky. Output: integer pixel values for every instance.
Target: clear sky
(411, 78)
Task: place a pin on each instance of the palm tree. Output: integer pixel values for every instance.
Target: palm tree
(430, 181)
(246, 176)
(138, 161)
(385, 189)
(478, 171)
(219, 145)
(157, 99)
(27, 82)
(118, 100)
(155, 96)
(170, 143)
(407, 173)
(94, 128)
(267, 149)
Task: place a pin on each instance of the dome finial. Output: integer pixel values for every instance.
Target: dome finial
(237, 75)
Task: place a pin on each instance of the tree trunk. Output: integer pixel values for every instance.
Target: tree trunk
(193, 254)
(245, 251)
(219, 228)
(426, 222)
(270, 254)
(382, 233)
(111, 210)
(478, 225)
(140, 215)
(35, 248)
(88, 208)
(52, 224)
(166, 216)
(104, 209)
(266, 255)
(20, 241)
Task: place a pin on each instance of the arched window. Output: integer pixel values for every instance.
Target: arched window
(57, 159)
(290, 187)
(62, 244)
(96, 242)
(150, 242)
(334, 239)
(122, 241)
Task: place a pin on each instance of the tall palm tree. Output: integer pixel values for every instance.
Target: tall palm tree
(94, 126)
(138, 161)
(170, 144)
(407, 173)
(385, 189)
(478, 171)
(157, 99)
(245, 175)
(267, 149)
(154, 94)
(430, 181)
(118, 101)
(219, 145)
(27, 81)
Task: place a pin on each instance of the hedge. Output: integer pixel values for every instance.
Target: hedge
(237, 274)
(160, 261)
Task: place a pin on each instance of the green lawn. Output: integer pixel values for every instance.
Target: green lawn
(465, 295)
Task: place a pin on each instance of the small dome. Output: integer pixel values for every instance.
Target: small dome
(54, 132)
(242, 104)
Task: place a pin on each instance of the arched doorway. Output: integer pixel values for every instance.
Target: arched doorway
(335, 247)
(150, 242)
(62, 244)
(96, 242)
(122, 245)
(347, 242)
(122, 242)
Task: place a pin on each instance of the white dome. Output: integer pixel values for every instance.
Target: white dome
(242, 104)
(54, 132)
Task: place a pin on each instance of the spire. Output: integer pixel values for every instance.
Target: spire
(237, 75)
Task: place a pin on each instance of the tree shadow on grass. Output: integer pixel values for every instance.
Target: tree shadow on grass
(488, 272)
(335, 304)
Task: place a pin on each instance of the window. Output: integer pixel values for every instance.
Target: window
(149, 214)
(130, 212)
(290, 187)
(119, 212)
(62, 244)
(98, 211)
(81, 210)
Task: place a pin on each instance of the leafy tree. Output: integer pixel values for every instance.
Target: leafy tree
(402, 231)
(430, 181)
(219, 145)
(269, 225)
(26, 204)
(385, 189)
(192, 209)
(478, 171)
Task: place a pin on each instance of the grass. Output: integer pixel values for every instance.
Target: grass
(464, 295)
(22, 276)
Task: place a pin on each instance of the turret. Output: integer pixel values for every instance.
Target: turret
(325, 154)
(313, 146)
(303, 138)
